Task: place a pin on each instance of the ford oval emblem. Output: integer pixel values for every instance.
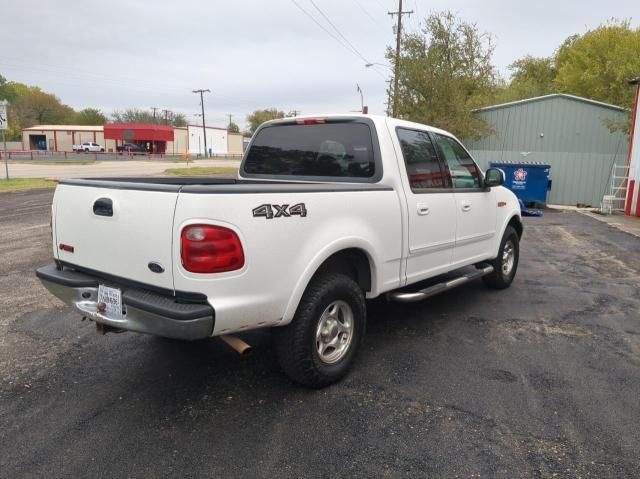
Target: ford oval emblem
(156, 267)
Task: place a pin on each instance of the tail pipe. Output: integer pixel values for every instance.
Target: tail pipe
(237, 344)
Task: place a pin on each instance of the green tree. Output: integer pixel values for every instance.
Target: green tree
(29, 106)
(135, 115)
(530, 77)
(90, 116)
(258, 117)
(178, 119)
(446, 72)
(233, 127)
(6, 90)
(599, 63)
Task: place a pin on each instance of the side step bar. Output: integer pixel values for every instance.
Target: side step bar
(415, 296)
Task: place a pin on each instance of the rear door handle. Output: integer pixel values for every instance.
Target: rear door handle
(466, 207)
(423, 210)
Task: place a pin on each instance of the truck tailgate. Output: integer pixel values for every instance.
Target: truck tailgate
(119, 232)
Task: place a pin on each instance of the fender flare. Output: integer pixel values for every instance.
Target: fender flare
(506, 222)
(317, 261)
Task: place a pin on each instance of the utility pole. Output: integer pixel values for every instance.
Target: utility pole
(154, 109)
(397, 66)
(204, 128)
(166, 116)
(294, 113)
(230, 115)
(4, 125)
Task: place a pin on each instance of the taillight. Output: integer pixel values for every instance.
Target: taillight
(210, 249)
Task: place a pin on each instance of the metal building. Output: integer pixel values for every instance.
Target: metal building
(165, 139)
(61, 137)
(567, 132)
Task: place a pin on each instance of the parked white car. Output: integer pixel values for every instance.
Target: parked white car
(88, 146)
(326, 212)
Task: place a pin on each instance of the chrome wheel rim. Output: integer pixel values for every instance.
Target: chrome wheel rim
(508, 258)
(334, 332)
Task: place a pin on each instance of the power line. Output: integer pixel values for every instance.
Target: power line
(366, 12)
(328, 32)
(19, 64)
(338, 31)
(65, 77)
(415, 20)
(322, 26)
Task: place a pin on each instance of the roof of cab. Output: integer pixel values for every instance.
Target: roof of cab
(393, 122)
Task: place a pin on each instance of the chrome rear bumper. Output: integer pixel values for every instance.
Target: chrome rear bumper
(145, 311)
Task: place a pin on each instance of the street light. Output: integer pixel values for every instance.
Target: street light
(369, 65)
(204, 129)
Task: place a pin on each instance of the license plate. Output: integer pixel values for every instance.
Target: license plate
(112, 298)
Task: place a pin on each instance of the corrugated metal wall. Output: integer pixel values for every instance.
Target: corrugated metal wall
(569, 134)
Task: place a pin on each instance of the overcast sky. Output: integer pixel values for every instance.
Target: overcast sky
(250, 53)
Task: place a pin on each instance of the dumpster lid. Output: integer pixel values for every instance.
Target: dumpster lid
(524, 164)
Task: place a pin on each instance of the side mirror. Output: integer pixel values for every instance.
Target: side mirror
(493, 177)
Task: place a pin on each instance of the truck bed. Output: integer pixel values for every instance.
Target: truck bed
(219, 185)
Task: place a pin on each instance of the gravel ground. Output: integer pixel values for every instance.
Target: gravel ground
(540, 380)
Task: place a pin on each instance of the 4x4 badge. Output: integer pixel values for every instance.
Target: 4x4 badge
(280, 211)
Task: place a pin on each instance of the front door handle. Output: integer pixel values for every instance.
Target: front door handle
(466, 207)
(423, 210)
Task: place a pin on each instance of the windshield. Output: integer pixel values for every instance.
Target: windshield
(327, 150)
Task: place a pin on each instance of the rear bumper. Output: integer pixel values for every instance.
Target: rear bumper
(146, 312)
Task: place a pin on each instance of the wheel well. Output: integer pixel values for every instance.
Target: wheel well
(353, 262)
(517, 225)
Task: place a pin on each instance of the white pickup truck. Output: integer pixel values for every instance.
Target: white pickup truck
(325, 213)
(87, 146)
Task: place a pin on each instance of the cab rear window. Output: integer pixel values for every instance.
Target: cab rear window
(320, 150)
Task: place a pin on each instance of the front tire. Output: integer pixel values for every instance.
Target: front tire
(319, 346)
(506, 264)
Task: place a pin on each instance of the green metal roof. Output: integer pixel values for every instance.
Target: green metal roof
(549, 97)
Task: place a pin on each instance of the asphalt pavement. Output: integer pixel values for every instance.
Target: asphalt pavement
(540, 380)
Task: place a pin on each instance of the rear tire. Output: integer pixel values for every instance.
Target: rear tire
(506, 264)
(319, 346)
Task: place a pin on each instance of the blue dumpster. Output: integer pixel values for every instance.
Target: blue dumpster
(529, 181)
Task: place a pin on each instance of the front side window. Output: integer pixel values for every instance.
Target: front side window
(322, 150)
(423, 167)
(463, 170)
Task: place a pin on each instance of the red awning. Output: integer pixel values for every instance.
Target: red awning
(137, 131)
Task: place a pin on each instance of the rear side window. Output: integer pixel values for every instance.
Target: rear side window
(326, 150)
(463, 170)
(421, 160)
